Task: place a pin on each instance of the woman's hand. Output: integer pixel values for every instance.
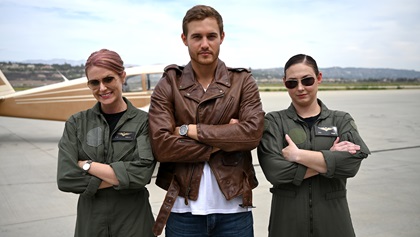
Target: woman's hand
(81, 163)
(344, 146)
(311, 159)
(291, 152)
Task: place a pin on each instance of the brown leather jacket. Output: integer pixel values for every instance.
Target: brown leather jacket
(179, 99)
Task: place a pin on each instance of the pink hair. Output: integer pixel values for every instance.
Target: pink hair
(107, 59)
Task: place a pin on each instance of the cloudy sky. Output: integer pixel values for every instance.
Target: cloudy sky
(259, 34)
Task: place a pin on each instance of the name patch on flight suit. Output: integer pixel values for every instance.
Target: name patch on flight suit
(326, 131)
(123, 136)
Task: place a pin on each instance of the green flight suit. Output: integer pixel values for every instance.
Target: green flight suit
(317, 206)
(122, 210)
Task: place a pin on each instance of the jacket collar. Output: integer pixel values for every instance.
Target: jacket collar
(221, 76)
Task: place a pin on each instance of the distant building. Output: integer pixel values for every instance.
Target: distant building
(47, 67)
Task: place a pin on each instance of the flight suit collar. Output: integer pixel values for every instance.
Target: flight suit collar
(291, 111)
(130, 113)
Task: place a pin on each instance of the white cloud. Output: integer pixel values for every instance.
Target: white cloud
(259, 34)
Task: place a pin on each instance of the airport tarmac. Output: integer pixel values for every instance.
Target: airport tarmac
(383, 197)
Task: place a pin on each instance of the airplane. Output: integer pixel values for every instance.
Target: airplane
(60, 100)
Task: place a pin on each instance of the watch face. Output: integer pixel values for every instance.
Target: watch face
(183, 130)
(86, 166)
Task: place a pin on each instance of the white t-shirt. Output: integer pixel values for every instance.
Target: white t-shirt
(210, 198)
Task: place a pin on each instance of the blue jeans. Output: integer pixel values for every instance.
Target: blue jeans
(215, 225)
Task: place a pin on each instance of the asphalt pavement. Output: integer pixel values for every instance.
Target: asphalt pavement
(383, 197)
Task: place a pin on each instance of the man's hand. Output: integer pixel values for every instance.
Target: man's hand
(233, 121)
(176, 132)
(344, 146)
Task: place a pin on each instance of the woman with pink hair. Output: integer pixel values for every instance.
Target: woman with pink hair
(105, 156)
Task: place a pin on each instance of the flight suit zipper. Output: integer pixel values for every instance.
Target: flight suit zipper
(311, 214)
(311, 211)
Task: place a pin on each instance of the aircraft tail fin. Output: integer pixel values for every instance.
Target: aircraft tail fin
(5, 87)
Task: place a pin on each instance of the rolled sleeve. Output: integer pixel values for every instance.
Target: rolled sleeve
(137, 173)
(121, 174)
(331, 164)
(342, 164)
(92, 187)
(276, 169)
(300, 175)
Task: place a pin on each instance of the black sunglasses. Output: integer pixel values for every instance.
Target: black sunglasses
(308, 81)
(94, 84)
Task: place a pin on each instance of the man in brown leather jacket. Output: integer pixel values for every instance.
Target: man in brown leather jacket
(204, 120)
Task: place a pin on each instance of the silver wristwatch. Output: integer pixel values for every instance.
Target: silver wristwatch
(183, 130)
(86, 166)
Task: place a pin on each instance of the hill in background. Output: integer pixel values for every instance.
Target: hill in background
(350, 73)
(37, 73)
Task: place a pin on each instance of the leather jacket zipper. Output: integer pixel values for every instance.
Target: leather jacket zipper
(187, 192)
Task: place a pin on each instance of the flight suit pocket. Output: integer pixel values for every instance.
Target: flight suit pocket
(336, 194)
(144, 151)
(94, 137)
(283, 192)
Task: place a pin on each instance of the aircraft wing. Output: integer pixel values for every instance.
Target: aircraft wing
(60, 100)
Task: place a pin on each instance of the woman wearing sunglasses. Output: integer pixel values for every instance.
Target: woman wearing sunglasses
(105, 156)
(307, 153)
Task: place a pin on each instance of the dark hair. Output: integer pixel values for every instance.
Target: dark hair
(107, 59)
(302, 58)
(199, 13)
